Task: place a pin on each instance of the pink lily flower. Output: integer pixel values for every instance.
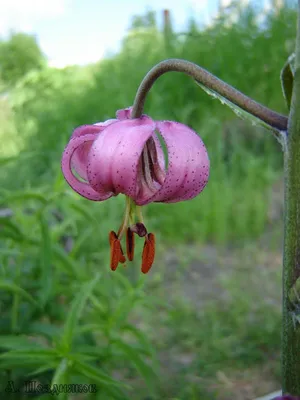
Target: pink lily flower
(125, 156)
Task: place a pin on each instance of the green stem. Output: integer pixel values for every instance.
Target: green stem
(204, 77)
(291, 260)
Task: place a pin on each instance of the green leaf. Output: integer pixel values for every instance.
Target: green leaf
(23, 196)
(88, 352)
(287, 79)
(11, 287)
(80, 209)
(46, 280)
(20, 157)
(75, 312)
(60, 375)
(84, 236)
(28, 357)
(124, 307)
(45, 329)
(96, 375)
(10, 230)
(240, 112)
(18, 342)
(142, 367)
(124, 282)
(43, 369)
(91, 328)
(81, 357)
(99, 305)
(142, 338)
(70, 266)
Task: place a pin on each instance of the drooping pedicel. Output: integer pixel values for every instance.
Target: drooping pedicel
(126, 156)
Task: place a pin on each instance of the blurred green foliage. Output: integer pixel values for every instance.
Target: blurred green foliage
(19, 54)
(64, 317)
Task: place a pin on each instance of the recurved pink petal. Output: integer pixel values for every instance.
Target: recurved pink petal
(114, 155)
(79, 158)
(124, 113)
(83, 188)
(188, 168)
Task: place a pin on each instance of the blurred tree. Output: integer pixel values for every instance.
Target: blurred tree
(19, 54)
(168, 30)
(148, 20)
(278, 4)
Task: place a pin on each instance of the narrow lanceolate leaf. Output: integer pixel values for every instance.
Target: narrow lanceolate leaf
(13, 342)
(287, 79)
(61, 373)
(10, 230)
(95, 375)
(75, 312)
(29, 357)
(123, 308)
(141, 365)
(46, 262)
(11, 287)
(144, 342)
(9, 198)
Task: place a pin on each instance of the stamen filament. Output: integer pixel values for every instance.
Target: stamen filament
(126, 218)
(140, 214)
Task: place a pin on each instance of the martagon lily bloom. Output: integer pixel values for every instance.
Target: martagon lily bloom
(125, 155)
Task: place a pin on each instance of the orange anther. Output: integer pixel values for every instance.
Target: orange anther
(130, 244)
(148, 252)
(122, 257)
(116, 252)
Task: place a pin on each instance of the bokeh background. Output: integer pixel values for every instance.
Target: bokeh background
(205, 322)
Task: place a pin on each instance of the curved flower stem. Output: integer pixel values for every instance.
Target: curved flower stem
(207, 79)
(291, 259)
